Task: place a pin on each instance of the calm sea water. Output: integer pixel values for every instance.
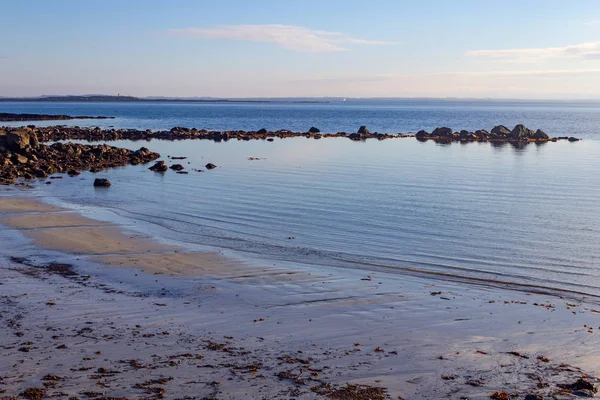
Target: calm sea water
(529, 217)
(401, 116)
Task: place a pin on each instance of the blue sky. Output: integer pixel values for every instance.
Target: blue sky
(274, 48)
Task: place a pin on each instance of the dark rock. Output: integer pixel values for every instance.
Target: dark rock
(501, 131)
(72, 172)
(210, 166)
(18, 141)
(540, 135)
(520, 132)
(443, 132)
(182, 172)
(422, 135)
(160, 166)
(573, 139)
(363, 130)
(270, 139)
(314, 130)
(261, 131)
(99, 182)
(177, 167)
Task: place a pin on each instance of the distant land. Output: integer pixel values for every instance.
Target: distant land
(91, 98)
(133, 99)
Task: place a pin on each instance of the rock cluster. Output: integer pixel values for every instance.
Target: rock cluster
(55, 133)
(21, 156)
(499, 133)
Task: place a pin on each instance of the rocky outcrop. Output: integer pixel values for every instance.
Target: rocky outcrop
(520, 132)
(23, 158)
(18, 141)
(363, 130)
(500, 131)
(55, 133)
(314, 130)
(210, 166)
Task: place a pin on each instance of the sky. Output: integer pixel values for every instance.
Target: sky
(527, 49)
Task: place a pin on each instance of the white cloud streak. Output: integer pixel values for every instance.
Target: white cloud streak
(588, 50)
(550, 73)
(290, 37)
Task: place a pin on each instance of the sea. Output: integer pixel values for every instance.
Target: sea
(520, 217)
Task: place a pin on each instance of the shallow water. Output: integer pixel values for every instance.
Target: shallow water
(486, 214)
(475, 212)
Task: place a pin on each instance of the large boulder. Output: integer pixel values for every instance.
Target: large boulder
(314, 130)
(443, 132)
(18, 140)
(363, 130)
(520, 132)
(500, 130)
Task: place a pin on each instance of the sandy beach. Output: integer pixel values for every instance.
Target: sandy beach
(92, 310)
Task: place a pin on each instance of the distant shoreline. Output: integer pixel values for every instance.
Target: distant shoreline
(11, 117)
(131, 99)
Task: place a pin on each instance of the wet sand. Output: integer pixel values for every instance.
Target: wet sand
(244, 331)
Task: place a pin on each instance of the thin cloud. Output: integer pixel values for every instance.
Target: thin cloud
(588, 50)
(289, 37)
(388, 77)
(592, 22)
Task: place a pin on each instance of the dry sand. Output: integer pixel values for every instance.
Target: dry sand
(243, 332)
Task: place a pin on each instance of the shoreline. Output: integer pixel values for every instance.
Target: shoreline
(429, 332)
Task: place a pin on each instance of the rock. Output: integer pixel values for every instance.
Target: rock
(72, 173)
(540, 135)
(520, 132)
(443, 132)
(500, 130)
(182, 172)
(314, 130)
(99, 182)
(270, 139)
(363, 130)
(261, 131)
(573, 139)
(210, 166)
(422, 135)
(19, 159)
(177, 167)
(18, 140)
(160, 166)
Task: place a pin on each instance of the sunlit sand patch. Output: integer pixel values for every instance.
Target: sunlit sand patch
(195, 263)
(12, 204)
(93, 240)
(50, 220)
